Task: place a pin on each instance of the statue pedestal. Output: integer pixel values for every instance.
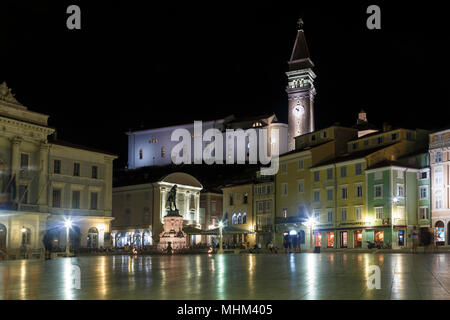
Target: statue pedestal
(173, 232)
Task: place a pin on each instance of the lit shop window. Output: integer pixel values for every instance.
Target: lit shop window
(330, 239)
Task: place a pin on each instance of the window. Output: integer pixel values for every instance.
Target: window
(56, 198)
(358, 169)
(343, 172)
(344, 192)
(330, 215)
(358, 190)
(316, 195)
(231, 200)
(244, 218)
(330, 239)
(423, 213)
(24, 161)
(343, 214)
(239, 218)
(399, 174)
(423, 191)
(324, 134)
(317, 215)
(344, 238)
(409, 136)
(301, 211)
(379, 213)
(330, 173)
(283, 168)
(354, 145)
(94, 172)
(423, 175)
(76, 169)
(141, 154)
(284, 212)
(358, 213)
(76, 199)
(245, 199)
(284, 189)
(378, 191)
(378, 175)
(146, 216)
(301, 186)
(94, 198)
(438, 200)
(163, 152)
(234, 219)
(23, 194)
(57, 166)
(313, 137)
(400, 190)
(213, 206)
(394, 136)
(438, 177)
(300, 164)
(316, 176)
(329, 194)
(366, 143)
(380, 140)
(153, 140)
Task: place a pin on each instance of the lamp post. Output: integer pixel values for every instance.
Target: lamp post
(220, 237)
(68, 225)
(310, 223)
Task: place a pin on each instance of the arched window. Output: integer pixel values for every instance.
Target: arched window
(244, 218)
(92, 238)
(239, 218)
(141, 154)
(234, 219)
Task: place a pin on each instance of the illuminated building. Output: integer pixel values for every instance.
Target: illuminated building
(45, 181)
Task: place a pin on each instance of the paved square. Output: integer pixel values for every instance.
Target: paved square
(261, 276)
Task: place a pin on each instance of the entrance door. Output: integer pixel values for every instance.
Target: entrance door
(439, 233)
(2, 236)
(357, 236)
(401, 238)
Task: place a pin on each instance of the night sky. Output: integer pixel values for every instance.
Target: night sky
(135, 66)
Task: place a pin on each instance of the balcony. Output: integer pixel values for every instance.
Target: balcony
(28, 207)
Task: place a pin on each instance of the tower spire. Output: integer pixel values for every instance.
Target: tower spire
(300, 89)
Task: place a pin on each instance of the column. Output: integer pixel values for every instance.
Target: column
(107, 197)
(43, 178)
(15, 161)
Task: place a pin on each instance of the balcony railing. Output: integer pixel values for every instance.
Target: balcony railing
(28, 207)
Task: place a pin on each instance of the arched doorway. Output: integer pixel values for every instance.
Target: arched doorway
(439, 233)
(137, 239)
(92, 238)
(2, 236)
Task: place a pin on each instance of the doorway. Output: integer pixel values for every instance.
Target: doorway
(2, 236)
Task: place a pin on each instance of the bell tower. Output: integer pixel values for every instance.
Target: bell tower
(300, 89)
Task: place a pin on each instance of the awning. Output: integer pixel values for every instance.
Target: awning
(226, 230)
(192, 230)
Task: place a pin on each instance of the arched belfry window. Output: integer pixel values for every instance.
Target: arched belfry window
(244, 218)
(239, 218)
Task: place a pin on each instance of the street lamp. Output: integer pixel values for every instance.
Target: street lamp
(220, 237)
(311, 222)
(68, 225)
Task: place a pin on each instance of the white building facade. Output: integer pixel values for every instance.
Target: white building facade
(44, 182)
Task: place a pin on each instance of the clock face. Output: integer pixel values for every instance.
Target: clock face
(298, 110)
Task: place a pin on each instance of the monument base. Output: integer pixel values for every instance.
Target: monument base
(173, 232)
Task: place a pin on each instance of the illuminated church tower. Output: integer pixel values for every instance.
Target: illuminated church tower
(300, 89)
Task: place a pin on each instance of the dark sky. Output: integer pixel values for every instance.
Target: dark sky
(134, 66)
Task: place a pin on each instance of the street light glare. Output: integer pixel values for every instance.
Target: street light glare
(220, 224)
(68, 223)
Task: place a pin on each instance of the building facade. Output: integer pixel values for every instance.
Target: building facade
(139, 209)
(45, 182)
(440, 181)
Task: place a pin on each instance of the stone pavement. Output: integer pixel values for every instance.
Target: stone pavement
(334, 275)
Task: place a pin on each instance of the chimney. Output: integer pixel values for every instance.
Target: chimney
(362, 117)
